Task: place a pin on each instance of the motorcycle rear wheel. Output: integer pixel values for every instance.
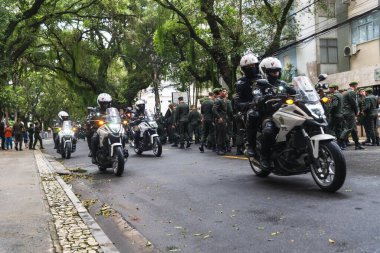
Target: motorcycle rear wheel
(332, 174)
(157, 147)
(118, 162)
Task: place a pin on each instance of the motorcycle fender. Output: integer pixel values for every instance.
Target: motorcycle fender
(152, 137)
(113, 147)
(315, 142)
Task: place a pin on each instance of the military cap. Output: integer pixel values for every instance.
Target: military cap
(369, 90)
(360, 89)
(216, 90)
(353, 83)
(335, 86)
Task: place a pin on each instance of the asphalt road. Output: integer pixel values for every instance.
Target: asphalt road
(185, 201)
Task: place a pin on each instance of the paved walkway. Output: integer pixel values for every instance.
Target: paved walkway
(39, 212)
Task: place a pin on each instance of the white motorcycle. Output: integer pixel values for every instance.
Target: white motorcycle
(148, 137)
(111, 152)
(67, 140)
(301, 143)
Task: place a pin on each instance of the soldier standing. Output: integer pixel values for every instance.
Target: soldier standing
(220, 114)
(229, 119)
(370, 116)
(194, 124)
(181, 120)
(336, 114)
(350, 111)
(207, 122)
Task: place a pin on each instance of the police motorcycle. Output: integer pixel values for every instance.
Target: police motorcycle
(148, 137)
(301, 145)
(66, 140)
(110, 153)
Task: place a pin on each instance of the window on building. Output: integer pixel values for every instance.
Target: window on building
(327, 9)
(328, 51)
(366, 28)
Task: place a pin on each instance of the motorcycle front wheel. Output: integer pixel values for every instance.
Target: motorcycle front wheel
(332, 174)
(68, 150)
(118, 161)
(157, 147)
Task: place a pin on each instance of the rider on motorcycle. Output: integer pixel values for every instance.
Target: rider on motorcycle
(104, 101)
(138, 114)
(62, 116)
(249, 65)
(270, 68)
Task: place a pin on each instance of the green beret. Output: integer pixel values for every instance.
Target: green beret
(216, 90)
(353, 83)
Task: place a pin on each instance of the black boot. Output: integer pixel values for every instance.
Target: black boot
(377, 141)
(264, 161)
(341, 144)
(251, 151)
(188, 144)
(201, 148)
(182, 146)
(358, 146)
(239, 150)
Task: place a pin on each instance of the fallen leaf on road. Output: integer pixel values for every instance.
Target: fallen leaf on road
(275, 233)
(331, 241)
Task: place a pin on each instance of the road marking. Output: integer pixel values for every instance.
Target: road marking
(235, 157)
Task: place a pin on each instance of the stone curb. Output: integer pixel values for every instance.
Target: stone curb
(76, 229)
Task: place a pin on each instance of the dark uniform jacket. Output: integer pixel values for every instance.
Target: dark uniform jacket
(181, 113)
(220, 108)
(194, 117)
(350, 102)
(370, 106)
(243, 87)
(336, 105)
(206, 110)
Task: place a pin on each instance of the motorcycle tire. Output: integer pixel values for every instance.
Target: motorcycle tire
(118, 161)
(332, 175)
(67, 150)
(256, 167)
(157, 147)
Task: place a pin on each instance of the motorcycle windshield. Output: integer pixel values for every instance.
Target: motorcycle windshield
(66, 125)
(113, 116)
(305, 90)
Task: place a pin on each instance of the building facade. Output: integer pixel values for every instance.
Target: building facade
(344, 43)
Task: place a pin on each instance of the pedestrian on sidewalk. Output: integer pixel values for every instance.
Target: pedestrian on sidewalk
(17, 132)
(25, 136)
(37, 137)
(31, 135)
(8, 133)
(2, 137)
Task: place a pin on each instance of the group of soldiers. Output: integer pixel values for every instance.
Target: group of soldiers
(211, 127)
(345, 109)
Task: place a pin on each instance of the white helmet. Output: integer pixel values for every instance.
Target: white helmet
(248, 59)
(270, 64)
(62, 115)
(104, 100)
(140, 105)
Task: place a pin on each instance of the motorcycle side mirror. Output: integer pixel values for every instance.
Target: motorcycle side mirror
(263, 84)
(322, 77)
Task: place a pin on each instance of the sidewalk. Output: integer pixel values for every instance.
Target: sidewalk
(39, 212)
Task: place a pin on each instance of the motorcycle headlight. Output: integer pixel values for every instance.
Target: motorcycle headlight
(316, 110)
(153, 124)
(115, 128)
